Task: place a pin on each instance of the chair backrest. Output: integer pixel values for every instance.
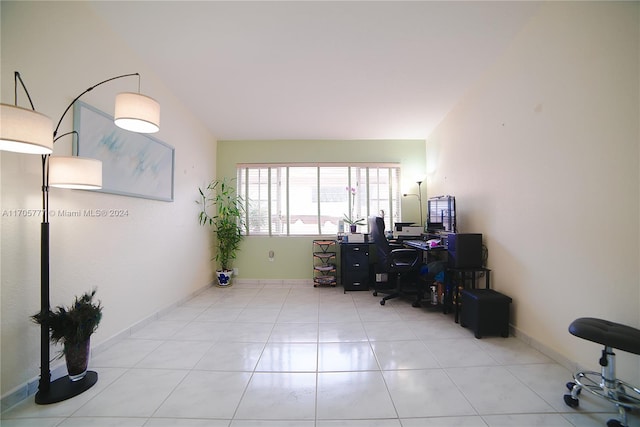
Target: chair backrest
(390, 259)
(376, 231)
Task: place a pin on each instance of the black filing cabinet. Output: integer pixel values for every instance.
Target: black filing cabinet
(485, 311)
(354, 266)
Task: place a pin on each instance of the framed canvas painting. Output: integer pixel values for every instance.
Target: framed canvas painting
(133, 164)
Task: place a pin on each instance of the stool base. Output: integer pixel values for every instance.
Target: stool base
(606, 386)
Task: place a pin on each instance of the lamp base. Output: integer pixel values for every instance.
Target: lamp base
(63, 388)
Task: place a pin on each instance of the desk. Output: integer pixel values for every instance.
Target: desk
(429, 255)
(456, 278)
(422, 245)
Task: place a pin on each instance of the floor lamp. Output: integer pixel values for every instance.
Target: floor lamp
(27, 131)
(419, 195)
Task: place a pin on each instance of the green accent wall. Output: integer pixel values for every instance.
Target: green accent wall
(293, 254)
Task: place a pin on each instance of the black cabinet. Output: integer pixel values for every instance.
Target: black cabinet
(354, 266)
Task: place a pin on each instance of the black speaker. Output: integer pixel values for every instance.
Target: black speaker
(465, 250)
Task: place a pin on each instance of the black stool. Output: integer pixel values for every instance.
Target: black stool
(605, 384)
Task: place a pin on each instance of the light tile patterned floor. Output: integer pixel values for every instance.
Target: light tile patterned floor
(262, 356)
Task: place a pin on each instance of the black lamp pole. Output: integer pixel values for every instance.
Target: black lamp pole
(420, 201)
(419, 195)
(62, 388)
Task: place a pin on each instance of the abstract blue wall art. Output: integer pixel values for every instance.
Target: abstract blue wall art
(133, 164)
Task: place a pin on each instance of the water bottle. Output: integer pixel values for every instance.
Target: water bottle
(434, 295)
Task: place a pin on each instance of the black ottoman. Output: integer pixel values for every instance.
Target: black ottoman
(485, 311)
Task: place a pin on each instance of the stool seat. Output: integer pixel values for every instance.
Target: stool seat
(607, 333)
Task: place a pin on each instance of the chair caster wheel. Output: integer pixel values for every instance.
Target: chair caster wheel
(570, 401)
(614, 423)
(416, 304)
(375, 294)
(570, 386)
(382, 302)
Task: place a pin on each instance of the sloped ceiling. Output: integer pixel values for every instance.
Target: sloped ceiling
(318, 70)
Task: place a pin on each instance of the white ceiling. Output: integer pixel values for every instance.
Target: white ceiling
(318, 70)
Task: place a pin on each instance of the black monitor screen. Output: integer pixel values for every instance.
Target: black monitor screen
(441, 214)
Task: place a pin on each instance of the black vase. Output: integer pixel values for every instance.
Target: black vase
(353, 227)
(77, 358)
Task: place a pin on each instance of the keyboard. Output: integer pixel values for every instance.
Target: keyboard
(418, 244)
(421, 244)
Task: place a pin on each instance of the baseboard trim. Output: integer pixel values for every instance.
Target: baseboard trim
(59, 369)
(273, 283)
(546, 350)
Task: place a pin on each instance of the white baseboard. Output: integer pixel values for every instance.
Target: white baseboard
(547, 351)
(273, 283)
(59, 369)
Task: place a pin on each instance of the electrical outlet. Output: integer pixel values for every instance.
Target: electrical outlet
(272, 255)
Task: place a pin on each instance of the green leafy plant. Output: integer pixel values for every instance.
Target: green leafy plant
(227, 221)
(72, 325)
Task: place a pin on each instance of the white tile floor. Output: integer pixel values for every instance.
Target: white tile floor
(282, 357)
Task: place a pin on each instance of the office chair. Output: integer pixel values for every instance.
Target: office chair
(392, 259)
(604, 384)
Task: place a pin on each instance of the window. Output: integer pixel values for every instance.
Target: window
(303, 199)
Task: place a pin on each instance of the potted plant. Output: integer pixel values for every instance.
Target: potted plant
(351, 219)
(72, 327)
(227, 222)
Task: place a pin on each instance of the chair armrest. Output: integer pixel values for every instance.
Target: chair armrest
(404, 258)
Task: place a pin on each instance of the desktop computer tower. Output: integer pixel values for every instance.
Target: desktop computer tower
(464, 250)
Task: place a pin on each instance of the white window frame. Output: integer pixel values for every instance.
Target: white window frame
(278, 202)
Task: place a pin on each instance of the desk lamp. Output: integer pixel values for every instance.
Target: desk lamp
(27, 131)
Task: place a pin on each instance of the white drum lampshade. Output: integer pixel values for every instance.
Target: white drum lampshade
(137, 113)
(25, 131)
(75, 172)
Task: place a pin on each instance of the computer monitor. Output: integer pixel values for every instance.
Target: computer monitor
(441, 214)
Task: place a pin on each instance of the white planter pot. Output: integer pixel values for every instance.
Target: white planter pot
(224, 277)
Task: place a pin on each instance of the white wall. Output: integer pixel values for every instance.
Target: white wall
(542, 156)
(142, 263)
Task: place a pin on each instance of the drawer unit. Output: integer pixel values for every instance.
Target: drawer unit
(354, 266)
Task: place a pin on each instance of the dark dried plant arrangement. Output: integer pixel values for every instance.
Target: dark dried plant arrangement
(74, 324)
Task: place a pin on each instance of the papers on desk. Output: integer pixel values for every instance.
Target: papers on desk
(434, 243)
